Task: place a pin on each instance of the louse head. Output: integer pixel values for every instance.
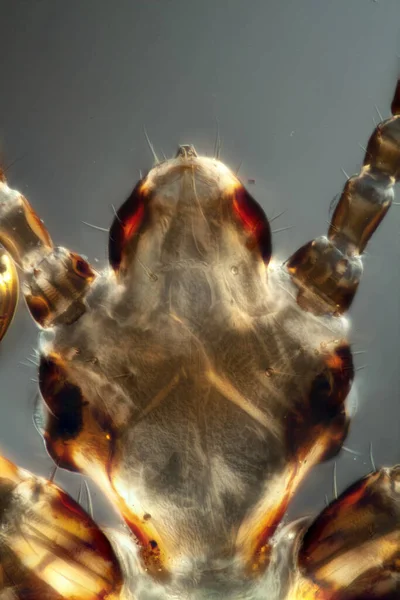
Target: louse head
(189, 207)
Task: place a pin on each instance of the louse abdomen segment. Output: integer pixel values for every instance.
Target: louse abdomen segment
(187, 194)
(81, 437)
(50, 548)
(327, 270)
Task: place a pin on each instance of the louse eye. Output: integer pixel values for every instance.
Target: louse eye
(254, 221)
(126, 224)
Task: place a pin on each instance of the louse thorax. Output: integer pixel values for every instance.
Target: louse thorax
(180, 404)
(191, 235)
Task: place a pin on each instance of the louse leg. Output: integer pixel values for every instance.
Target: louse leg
(49, 547)
(351, 551)
(328, 269)
(326, 272)
(81, 439)
(315, 429)
(8, 291)
(54, 280)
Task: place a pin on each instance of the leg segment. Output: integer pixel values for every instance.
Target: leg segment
(83, 438)
(315, 431)
(328, 269)
(8, 291)
(49, 547)
(352, 550)
(54, 280)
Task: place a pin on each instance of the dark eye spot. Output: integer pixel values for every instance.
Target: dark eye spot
(64, 400)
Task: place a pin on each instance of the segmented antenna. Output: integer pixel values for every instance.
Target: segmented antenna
(327, 271)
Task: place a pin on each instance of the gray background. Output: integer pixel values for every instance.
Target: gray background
(293, 84)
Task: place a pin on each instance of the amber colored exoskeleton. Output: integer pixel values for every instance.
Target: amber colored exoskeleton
(197, 382)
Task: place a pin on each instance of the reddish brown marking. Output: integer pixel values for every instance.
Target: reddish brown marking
(151, 551)
(73, 429)
(254, 221)
(66, 506)
(324, 416)
(38, 308)
(132, 223)
(395, 107)
(126, 224)
(343, 524)
(272, 520)
(65, 418)
(81, 267)
(36, 224)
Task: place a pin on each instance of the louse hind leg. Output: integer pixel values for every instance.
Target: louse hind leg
(351, 551)
(49, 547)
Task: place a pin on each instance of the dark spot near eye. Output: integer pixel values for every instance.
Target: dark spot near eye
(153, 544)
(319, 398)
(36, 491)
(7, 499)
(39, 308)
(68, 409)
(64, 400)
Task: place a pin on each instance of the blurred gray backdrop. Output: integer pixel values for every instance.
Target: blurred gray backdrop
(293, 84)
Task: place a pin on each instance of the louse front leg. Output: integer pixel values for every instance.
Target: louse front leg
(327, 270)
(78, 435)
(54, 280)
(50, 549)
